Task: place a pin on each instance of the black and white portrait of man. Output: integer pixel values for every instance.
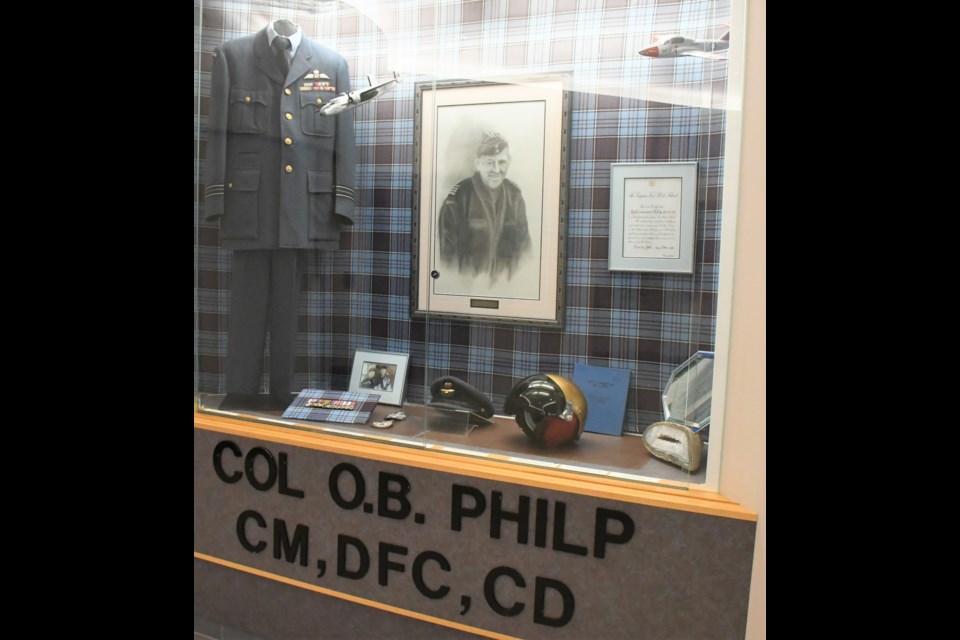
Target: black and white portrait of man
(483, 220)
(489, 195)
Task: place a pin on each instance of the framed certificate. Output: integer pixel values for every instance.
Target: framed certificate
(653, 214)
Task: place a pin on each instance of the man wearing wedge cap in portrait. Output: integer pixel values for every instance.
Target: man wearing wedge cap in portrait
(483, 220)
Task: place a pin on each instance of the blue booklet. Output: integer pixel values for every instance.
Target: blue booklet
(606, 391)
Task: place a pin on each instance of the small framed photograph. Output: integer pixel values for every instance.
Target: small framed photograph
(653, 215)
(490, 200)
(380, 372)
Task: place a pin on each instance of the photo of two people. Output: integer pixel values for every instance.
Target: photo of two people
(378, 376)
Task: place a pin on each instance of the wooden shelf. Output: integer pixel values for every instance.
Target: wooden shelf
(598, 465)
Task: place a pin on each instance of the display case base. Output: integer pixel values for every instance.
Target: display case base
(595, 454)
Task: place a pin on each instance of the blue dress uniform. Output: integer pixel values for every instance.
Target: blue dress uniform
(280, 178)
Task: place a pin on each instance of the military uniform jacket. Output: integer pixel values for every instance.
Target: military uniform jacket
(279, 174)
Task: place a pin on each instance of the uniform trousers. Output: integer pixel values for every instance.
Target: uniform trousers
(264, 296)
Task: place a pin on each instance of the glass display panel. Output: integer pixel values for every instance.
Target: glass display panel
(449, 123)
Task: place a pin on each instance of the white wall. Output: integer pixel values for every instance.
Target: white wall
(743, 472)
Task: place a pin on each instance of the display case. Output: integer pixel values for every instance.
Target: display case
(431, 198)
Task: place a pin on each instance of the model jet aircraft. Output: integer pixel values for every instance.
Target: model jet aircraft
(675, 46)
(354, 99)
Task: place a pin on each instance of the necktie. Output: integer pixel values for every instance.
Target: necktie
(281, 45)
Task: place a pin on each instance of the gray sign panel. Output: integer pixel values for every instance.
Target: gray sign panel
(502, 557)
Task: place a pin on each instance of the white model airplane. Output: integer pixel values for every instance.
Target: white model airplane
(354, 99)
(676, 46)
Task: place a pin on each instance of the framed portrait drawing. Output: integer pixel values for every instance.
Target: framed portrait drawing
(384, 373)
(490, 200)
(653, 216)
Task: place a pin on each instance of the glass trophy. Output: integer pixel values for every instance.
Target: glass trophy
(687, 396)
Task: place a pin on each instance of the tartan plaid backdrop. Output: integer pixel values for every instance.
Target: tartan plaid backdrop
(625, 108)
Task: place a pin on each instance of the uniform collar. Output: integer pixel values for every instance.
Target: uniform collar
(294, 39)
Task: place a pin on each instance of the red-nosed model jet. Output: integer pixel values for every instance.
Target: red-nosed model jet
(675, 46)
